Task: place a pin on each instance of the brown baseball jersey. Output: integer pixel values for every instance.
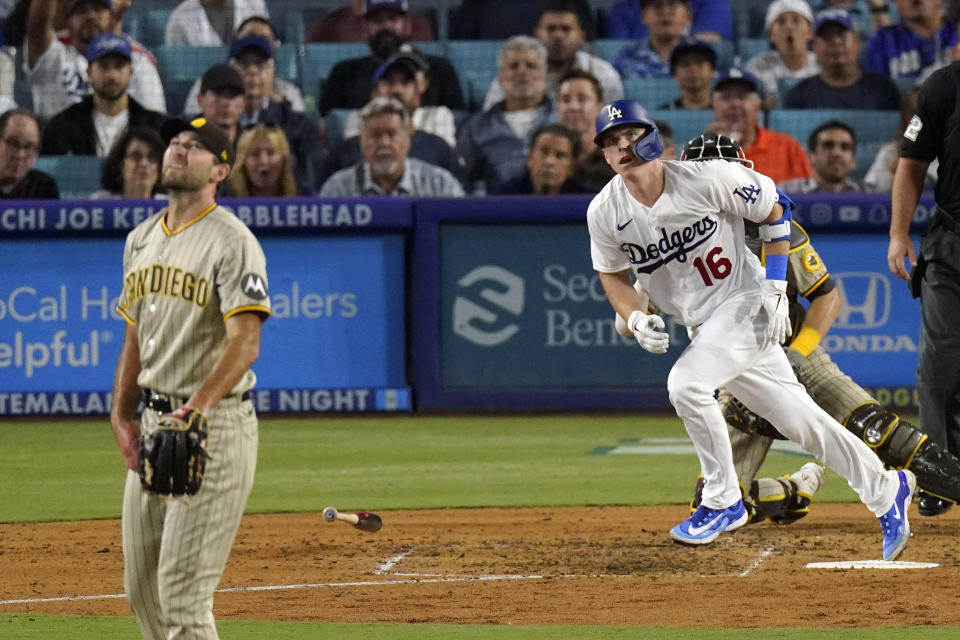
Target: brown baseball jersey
(179, 288)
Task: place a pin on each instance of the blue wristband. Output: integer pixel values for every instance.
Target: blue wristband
(776, 267)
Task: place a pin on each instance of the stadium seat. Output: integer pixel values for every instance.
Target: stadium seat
(652, 93)
(475, 83)
(185, 62)
(749, 47)
(336, 122)
(474, 55)
(77, 176)
(288, 58)
(686, 123)
(153, 29)
(608, 49)
(872, 128)
(748, 17)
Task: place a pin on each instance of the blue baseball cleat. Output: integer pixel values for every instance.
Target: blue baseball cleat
(896, 529)
(705, 524)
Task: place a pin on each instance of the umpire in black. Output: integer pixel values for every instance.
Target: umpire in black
(933, 132)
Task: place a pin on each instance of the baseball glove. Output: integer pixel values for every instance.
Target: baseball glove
(173, 457)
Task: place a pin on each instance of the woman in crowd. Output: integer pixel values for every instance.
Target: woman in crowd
(264, 168)
(131, 170)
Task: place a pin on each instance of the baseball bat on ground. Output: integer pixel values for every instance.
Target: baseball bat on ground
(362, 520)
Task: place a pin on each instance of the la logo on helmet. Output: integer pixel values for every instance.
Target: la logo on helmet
(613, 113)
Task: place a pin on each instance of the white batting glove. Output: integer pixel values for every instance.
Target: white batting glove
(775, 303)
(644, 328)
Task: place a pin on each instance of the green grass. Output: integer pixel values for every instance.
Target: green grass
(36, 627)
(73, 470)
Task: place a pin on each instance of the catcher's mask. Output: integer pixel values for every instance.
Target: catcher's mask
(627, 112)
(713, 146)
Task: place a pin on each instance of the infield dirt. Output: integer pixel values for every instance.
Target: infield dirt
(602, 565)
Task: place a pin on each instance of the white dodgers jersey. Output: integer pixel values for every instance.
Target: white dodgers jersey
(687, 250)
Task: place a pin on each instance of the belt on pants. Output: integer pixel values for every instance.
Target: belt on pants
(165, 403)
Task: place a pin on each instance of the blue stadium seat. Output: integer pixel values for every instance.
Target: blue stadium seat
(319, 58)
(153, 29)
(476, 64)
(651, 92)
(686, 123)
(76, 176)
(186, 62)
(608, 49)
(336, 122)
(748, 17)
(725, 53)
(872, 128)
(475, 83)
(749, 47)
(288, 59)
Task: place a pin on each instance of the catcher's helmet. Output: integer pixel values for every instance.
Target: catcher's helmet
(712, 146)
(628, 112)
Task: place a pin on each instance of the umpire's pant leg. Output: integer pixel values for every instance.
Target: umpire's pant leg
(938, 374)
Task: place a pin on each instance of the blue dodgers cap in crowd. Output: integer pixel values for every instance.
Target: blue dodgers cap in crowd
(73, 4)
(740, 76)
(408, 60)
(839, 16)
(106, 44)
(252, 41)
(396, 5)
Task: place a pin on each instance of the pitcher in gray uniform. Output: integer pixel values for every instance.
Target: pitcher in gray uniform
(194, 298)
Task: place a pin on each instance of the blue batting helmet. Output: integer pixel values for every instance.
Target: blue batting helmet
(628, 112)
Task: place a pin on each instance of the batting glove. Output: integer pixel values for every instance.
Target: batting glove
(644, 328)
(775, 303)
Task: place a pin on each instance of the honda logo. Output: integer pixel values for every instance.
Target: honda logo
(866, 297)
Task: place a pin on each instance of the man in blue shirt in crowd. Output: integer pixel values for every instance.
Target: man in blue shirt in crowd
(915, 46)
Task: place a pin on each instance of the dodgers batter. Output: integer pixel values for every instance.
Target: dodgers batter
(194, 298)
(678, 227)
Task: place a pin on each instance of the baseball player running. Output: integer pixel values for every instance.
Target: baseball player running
(898, 443)
(194, 298)
(679, 227)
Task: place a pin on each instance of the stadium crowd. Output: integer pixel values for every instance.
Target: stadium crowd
(457, 97)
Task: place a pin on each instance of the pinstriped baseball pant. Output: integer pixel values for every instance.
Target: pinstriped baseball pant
(175, 549)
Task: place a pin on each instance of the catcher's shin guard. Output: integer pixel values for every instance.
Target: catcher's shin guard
(748, 504)
(901, 445)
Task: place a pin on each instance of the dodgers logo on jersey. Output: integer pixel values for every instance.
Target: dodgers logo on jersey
(254, 286)
(671, 246)
(748, 192)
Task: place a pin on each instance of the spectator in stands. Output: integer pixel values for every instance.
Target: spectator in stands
(210, 23)
(493, 143)
(841, 83)
(832, 149)
(666, 139)
(549, 165)
(131, 171)
(19, 147)
(57, 69)
(789, 25)
(692, 65)
(92, 126)
(401, 77)
(667, 22)
(387, 28)
(264, 166)
(579, 99)
(920, 43)
(404, 76)
(712, 20)
(252, 57)
(346, 25)
(221, 98)
(879, 176)
(282, 88)
(560, 32)
(501, 19)
(386, 168)
(736, 109)
(867, 15)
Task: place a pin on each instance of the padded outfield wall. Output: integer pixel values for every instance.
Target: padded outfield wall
(392, 305)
